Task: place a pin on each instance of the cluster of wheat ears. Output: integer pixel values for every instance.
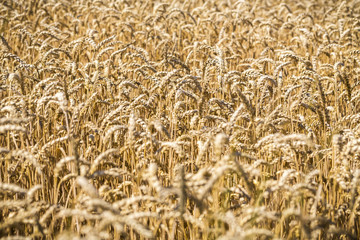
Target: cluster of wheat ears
(179, 119)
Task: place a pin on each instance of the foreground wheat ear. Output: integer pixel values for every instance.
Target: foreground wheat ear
(179, 119)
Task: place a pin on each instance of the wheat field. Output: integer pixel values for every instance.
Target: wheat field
(188, 119)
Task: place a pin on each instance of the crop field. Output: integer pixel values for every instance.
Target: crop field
(188, 119)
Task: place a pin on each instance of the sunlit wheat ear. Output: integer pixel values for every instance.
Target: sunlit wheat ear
(29, 157)
(218, 172)
(130, 220)
(87, 187)
(220, 140)
(151, 176)
(337, 143)
(203, 147)
(131, 128)
(111, 130)
(9, 127)
(53, 142)
(100, 158)
(12, 188)
(30, 194)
